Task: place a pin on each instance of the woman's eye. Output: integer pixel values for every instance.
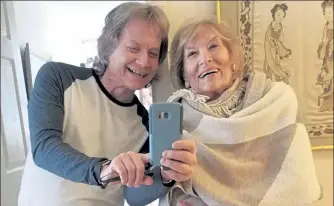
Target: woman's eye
(212, 46)
(192, 53)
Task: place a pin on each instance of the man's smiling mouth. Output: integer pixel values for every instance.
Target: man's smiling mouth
(137, 73)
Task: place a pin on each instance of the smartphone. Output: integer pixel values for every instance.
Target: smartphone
(165, 127)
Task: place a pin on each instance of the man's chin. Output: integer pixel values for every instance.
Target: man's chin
(137, 87)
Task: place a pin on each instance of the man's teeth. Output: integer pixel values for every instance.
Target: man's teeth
(208, 72)
(138, 73)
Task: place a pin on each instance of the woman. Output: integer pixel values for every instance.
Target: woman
(250, 150)
(325, 52)
(87, 127)
(275, 51)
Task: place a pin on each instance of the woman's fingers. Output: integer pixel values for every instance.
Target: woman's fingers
(180, 155)
(174, 175)
(187, 145)
(177, 166)
(181, 160)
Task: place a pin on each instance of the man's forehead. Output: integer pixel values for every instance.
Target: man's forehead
(139, 34)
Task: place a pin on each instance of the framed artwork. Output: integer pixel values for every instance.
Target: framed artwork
(290, 45)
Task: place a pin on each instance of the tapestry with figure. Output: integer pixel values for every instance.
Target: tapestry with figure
(292, 42)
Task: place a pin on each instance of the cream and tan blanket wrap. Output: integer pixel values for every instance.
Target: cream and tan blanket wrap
(259, 155)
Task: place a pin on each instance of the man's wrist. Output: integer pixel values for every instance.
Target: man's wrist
(103, 176)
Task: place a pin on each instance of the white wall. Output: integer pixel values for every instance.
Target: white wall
(57, 29)
(31, 23)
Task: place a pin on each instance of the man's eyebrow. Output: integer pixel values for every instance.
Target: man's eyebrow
(134, 42)
(155, 49)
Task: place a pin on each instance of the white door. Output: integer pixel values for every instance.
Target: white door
(14, 122)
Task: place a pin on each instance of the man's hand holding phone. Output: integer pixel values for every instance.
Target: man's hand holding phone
(181, 161)
(129, 169)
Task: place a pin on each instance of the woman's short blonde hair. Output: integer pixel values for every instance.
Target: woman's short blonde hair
(186, 33)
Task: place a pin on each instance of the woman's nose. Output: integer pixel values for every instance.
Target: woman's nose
(205, 58)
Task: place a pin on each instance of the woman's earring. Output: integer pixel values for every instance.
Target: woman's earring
(233, 67)
(186, 85)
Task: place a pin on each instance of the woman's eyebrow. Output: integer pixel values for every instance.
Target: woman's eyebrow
(189, 48)
(212, 39)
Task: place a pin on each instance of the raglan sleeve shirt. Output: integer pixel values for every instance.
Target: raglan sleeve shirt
(46, 116)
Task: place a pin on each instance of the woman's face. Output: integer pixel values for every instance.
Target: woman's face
(279, 15)
(135, 60)
(207, 67)
(328, 13)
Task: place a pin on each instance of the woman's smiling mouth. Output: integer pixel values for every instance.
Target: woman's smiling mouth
(207, 73)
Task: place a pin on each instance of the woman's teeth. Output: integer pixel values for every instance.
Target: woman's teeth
(207, 73)
(135, 72)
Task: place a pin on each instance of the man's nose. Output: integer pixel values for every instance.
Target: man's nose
(143, 59)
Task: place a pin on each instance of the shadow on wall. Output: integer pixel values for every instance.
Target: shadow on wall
(324, 167)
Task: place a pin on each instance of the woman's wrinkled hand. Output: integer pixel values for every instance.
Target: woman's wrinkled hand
(130, 167)
(180, 161)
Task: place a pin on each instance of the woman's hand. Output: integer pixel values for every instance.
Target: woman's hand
(180, 161)
(130, 167)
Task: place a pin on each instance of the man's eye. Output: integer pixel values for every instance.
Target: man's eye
(153, 55)
(133, 49)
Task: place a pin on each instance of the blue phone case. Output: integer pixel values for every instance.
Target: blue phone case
(165, 127)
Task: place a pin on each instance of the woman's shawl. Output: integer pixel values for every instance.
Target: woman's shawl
(257, 156)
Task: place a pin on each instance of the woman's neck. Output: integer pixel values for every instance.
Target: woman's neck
(275, 25)
(116, 89)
